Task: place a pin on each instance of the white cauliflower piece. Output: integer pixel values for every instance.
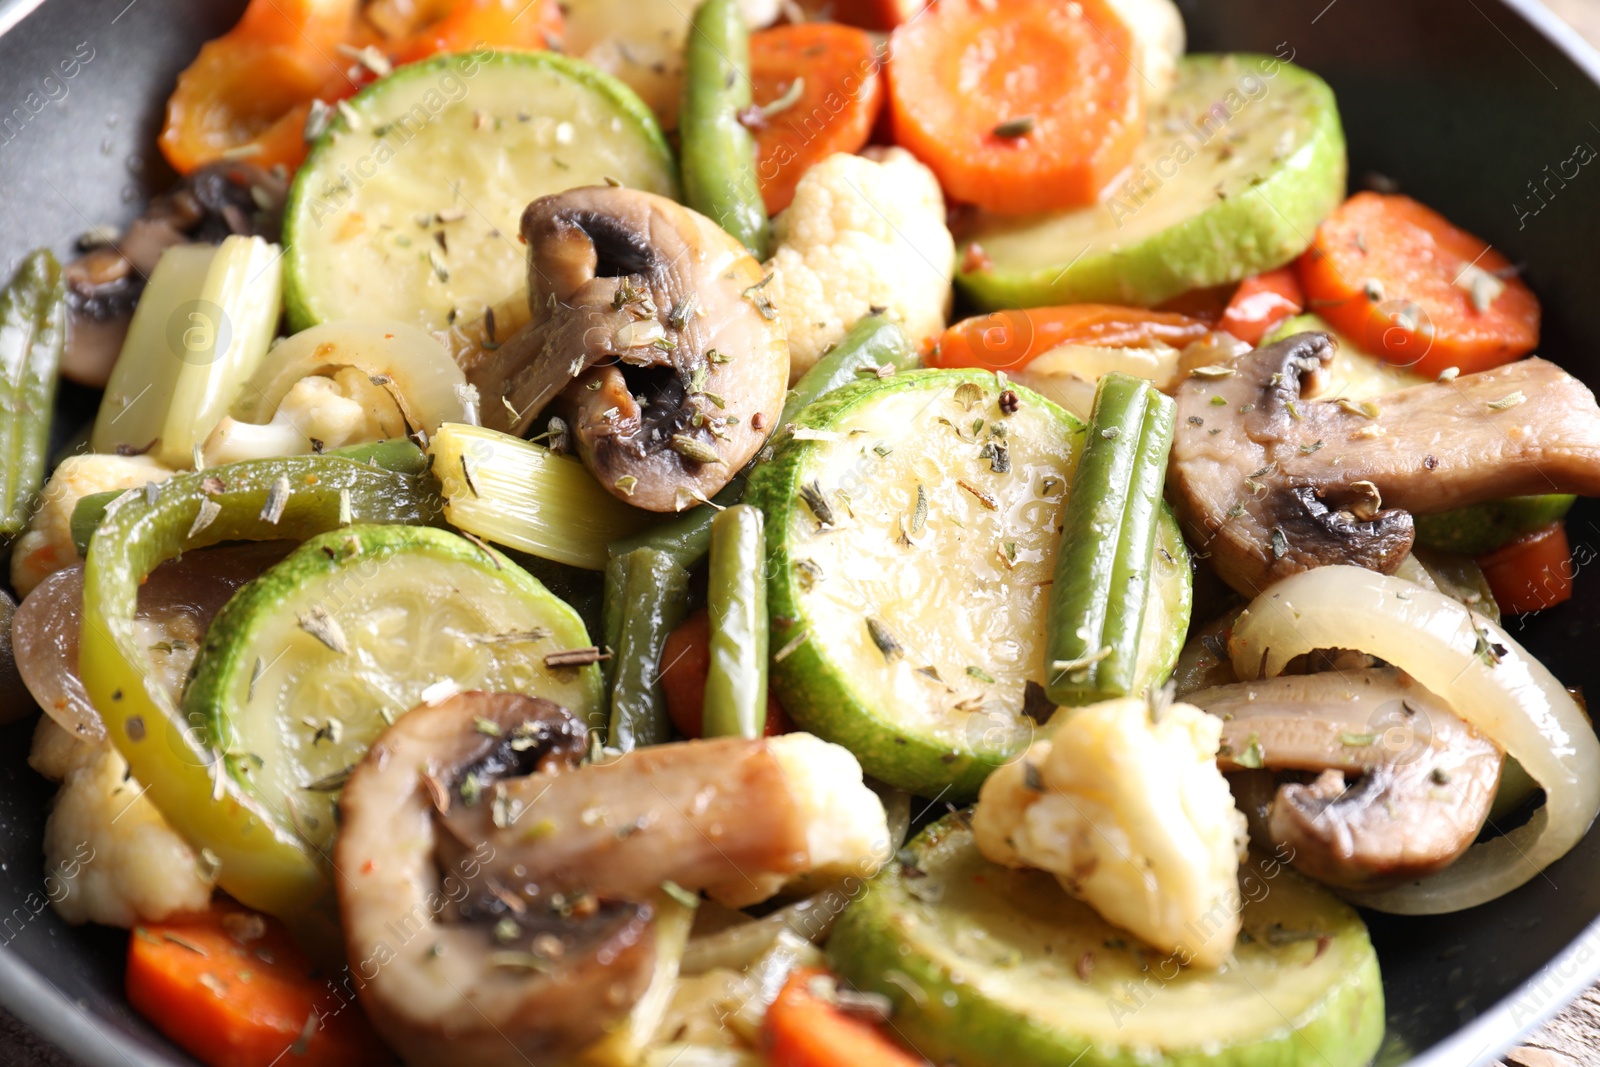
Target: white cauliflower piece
(847, 831)
(1132, 817)
(1157, 28)
(860, 233)
(109, 855)
(46, 546)
(316, 414)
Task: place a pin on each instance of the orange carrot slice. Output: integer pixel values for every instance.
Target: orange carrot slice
(1261, 303)
(1009, 340)
(1533, 572)
(817, 90)
(1017, 105)
(1406, 285)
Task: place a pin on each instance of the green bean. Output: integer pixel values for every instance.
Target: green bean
(613, 610)
(654, 596)
(736, 684)
(873, 342)
(33, 330)
(719, 154)
(1103, 568)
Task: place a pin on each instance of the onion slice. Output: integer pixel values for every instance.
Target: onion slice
(418, 372)
(1487, 679)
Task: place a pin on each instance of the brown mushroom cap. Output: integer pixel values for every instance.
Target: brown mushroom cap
(437, 976)
(496, 895)
(649, 325)
(1272, 481)
(1401, 785)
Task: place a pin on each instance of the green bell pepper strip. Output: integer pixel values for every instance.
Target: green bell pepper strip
(736, 684)
(871, 344)
(33, 332)
(719, 154)
(1103, 568)
(263, 862)
(398, 455)
(656, 591)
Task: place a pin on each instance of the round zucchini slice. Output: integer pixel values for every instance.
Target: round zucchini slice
(408, 207)
(1238, 167)
(306, 665)
(912, 528)
(991, 967)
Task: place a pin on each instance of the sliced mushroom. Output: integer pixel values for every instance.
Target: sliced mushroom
(104, 284)
(496, 895)
(1271, 481)
(1384, 783)
(649, 325)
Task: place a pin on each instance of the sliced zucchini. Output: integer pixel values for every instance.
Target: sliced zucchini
(1239, 165)
(200, 331)
(307, 664)
(1485, 527)
(991, 967)
(409, 204)
(911, 539)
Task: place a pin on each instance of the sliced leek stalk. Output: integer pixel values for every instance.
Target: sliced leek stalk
(199, 333)
(524, 496)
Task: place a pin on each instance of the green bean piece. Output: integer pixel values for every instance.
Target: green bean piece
(419, 505)
(654, 598)
(1103, 568)
(870, 345)
(719, 154)
(33, 332)
(613, 611)
(736, 684)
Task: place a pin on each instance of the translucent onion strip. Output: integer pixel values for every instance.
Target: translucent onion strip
(419, 373)
(1487, 678)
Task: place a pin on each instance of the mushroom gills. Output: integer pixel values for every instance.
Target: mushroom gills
(1272, 481)
(1363, 776)
(649, 328)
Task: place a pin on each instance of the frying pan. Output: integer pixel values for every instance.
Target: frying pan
(1477, 107)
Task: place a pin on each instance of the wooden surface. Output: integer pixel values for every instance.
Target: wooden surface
(1572, 1039)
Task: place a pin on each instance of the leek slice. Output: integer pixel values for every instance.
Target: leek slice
(198, 334)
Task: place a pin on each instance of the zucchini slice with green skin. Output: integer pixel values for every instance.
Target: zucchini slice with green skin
(991, 967)
(909, 562)
(307, 664)
(408, 207)
(1240, 164)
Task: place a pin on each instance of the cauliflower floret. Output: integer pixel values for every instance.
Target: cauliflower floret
(1131, 815)
(46, 546)
(1157, 27)
(860, 233)
(317, 413)
(109, 855)
(847, 832)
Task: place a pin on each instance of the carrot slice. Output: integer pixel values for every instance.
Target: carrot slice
(1017, 105)
(231, 987)
(1260, 303)
(1400, 280)
(1533, 572)
(685, 662)
(804, 1030)
(1009, 340)
(822, 81)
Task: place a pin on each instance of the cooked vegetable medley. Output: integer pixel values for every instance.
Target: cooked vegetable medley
(863, 533)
